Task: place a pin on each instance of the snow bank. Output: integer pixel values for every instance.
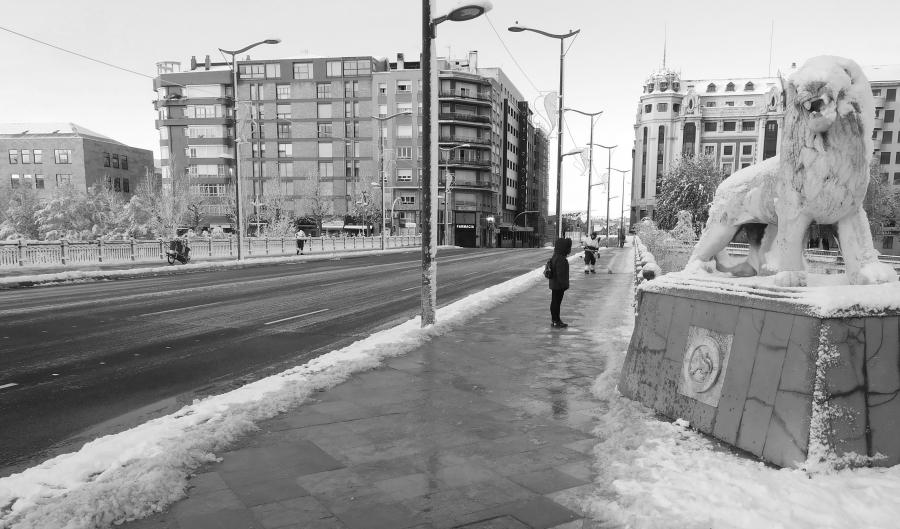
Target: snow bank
(658, 475)
(134, 473)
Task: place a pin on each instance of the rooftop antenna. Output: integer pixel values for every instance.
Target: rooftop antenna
(771, 46)
(665, 41)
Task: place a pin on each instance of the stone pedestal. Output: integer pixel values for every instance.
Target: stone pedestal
(765, 371)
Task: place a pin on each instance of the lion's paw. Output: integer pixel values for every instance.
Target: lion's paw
(791, 278)
(697, 266)
(876, 273)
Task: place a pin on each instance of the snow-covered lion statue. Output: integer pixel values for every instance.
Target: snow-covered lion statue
(821, 175)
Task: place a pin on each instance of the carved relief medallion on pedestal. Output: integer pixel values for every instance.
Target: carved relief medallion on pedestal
(703, 365)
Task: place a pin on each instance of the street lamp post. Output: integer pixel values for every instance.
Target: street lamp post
(381, 121)
(559, 217)
(559, 142)
(516, 223)
(238, 219)
(467, 11)
(447, 186)
(608, 181)
(591, 115)
(622, 216)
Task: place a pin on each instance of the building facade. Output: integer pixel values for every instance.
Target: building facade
(45, 156)
(736, 121)
(885, 81)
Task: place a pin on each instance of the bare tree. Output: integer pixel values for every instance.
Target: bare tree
(273, 210)
(315, 203)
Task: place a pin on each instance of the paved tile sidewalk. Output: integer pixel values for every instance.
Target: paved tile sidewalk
(488, 426)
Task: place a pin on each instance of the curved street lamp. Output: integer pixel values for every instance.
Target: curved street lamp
(559, 142)
(591, 115)
(238, 217)
(609, 150)
(465, 11)
(622, 216)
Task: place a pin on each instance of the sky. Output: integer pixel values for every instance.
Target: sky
(620, 45)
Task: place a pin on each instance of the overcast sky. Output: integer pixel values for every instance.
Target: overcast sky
(620, 44)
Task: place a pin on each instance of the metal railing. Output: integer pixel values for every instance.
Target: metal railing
(459, 116)
(38, 253)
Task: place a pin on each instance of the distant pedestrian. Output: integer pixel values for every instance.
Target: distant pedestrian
(301, 240)
(621, 236)
(559, 280)
(590, 254)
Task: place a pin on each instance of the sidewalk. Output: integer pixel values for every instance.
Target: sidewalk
(487, 426)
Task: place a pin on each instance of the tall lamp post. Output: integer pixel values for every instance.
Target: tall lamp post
(609, 150)
(448, 150)
(381, 121)
(238, 218)
(622, 215)
(466, 11)
(559, 142)
(559, 217)
(516, 221)
(591, 115)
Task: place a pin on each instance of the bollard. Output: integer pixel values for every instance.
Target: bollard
(63, 250)
(100, 250)
(266, 239)
(21, 252)
(132, 249)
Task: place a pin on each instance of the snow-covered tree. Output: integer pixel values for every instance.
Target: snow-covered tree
(273, 209)
(882, 204)
(316, 204)
(18, 215)
(66, 213)
(688, 185)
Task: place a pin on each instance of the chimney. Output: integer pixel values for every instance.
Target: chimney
(400, 65)
(473, 61)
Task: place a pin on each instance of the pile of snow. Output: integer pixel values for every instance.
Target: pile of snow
(134, 473)
(652, 474)
(645, 263)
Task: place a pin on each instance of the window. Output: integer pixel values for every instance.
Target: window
(326, 168)
(404, 131)
(351, 109)
(404, 153)
(106, 162)
(888, 117)
(748, 103)
(382, 88)
(748, 126)
(748, 87)
(407, 200)
(324, 130)
(203, 90)
(204, 111)
(14, 156)
(325, 149)
(124, 162)
(662, 107)
(283, 111)
(404, 175)
(745, 165)
(404, 107)
(303, 70)
(710, 126)
(324, 110)
(729, 87)
(897, 158)
(39, 181)
(63, 179)
(14, 181)
(727, 169)
(746, 150)
(285, 150)
(284, 130)
(887, 137)
(710, 104)
(885, 158)
(709, 150)
(206, 169)
(164, 152)
(729, 103)
(352, 168)
(888, 242)
(118, 185)
(676, 107)
(728, 150)
(285, 169)
(115, 161)
(38, 156)
(711, 87)
(890, 94)
(648, 109)
(206, 131)
(252, 71)
(323, 90)
(357, 67)
(63, 155)
(283, 91)
(333, 68)
(351, 129)
(729, 126)
(382, 111)
(273, 71)
(876, 92)
(351, 149)
(351, 88)
(26, 156)
(897, 178)
(404, 87)
(205, 151)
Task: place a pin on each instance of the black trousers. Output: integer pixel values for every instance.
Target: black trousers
(300, 243)
(556, 297)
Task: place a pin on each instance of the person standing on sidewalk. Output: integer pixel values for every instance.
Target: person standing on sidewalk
(559, 281)
(590, 254)
(301, 240)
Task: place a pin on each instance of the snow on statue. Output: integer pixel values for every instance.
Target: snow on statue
(820, 175)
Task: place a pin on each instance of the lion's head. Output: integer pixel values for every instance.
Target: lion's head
(829, 106)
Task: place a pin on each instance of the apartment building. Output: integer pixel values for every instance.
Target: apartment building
(738, 121)
(885, 81)
(44, 156)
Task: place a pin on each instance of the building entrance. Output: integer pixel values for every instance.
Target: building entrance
(464, 235)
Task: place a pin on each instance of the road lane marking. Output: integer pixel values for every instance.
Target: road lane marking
(411, 288)
(295, 317)
(11, 384)
(473, 273)
(184, 308)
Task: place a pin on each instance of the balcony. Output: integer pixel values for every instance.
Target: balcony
(467, 118)
(445, 138)
(475, 163)
(467, 96)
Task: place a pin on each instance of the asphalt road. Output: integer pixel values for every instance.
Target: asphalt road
(82, 360)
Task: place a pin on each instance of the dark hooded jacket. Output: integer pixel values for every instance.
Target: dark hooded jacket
(560, 279)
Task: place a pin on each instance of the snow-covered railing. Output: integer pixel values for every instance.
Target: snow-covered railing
(28, 253)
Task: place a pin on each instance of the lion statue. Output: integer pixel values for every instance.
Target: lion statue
(821, 175)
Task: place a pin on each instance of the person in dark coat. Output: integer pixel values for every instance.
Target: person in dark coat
(559, 282)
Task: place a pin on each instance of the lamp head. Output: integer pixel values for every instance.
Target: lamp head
(469, 10)
(516, 29)
(272, 41)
